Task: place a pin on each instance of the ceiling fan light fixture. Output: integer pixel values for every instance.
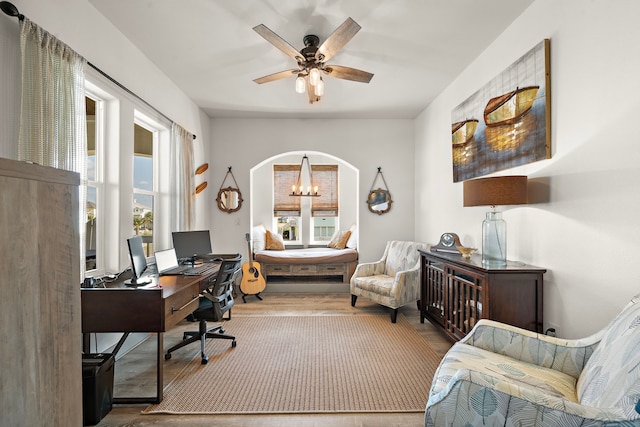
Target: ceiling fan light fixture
(300, 84)
(319, 89)
(311, 59)
(314, 76)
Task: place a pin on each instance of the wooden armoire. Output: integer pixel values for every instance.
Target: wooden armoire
(40, 336)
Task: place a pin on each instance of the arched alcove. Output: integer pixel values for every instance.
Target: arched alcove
(261, 190)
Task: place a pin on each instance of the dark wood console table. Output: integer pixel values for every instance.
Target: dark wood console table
(456, 292)
(149, 308)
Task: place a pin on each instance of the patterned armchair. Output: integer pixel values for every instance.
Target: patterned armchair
(503, 375)
(393, 281)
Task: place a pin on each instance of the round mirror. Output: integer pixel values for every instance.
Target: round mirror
(379, 201)
(229, 199)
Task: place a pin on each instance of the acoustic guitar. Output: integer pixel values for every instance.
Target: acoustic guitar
(252, 279)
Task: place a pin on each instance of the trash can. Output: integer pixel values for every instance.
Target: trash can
(97, 386)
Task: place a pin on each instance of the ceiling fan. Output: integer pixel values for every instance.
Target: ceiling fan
(312, 59)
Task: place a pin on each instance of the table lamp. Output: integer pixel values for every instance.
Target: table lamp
(494, 191)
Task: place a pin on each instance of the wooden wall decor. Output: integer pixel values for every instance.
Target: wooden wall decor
(201, 187)
(229, 198)
(379, 200)
(202, 168)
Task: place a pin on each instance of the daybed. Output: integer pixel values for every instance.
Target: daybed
(308, 262)
(304, 262)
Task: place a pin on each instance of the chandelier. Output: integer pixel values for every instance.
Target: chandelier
(297, 189)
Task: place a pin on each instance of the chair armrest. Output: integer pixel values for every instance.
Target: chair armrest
(568, 356)
(368, 269)
(405, 286)
(534, 403)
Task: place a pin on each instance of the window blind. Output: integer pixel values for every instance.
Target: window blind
(326, 178)
(284, 176)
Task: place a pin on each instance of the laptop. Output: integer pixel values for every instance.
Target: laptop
(167, 265)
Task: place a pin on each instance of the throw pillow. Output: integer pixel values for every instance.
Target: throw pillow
(258, 237)
(274, 242)
(352, 243)
(340, 239)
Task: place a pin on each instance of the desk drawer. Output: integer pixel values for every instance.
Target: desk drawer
(180, 304)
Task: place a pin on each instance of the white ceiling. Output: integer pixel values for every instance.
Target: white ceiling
(414, 48)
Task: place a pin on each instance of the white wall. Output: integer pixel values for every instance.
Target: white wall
(586, 234)
(365, 144)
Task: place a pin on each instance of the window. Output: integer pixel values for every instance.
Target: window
(118, 128)
(286, 209)
(94, 256)
(321, 213)
(323, 229)
(143, 185)
(324, 209)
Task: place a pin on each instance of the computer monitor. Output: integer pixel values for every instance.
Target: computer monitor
(138, 262)
(190, 243)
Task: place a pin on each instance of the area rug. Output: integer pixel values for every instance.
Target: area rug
(307, 364)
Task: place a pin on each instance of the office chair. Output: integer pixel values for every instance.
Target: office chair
(216, 300)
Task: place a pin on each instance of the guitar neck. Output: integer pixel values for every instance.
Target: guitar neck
(250, 255)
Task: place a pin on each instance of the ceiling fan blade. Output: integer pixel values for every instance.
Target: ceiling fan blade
(278, 42)
(277, 76)
(348, 73)
(338, 39)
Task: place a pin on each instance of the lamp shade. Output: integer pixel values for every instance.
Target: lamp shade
(495, 191)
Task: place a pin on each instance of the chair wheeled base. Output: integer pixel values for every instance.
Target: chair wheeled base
(201, 335)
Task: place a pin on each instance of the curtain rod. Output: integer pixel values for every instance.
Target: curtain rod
(10, 9)
(129, 91)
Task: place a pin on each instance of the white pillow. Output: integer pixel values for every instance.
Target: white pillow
(352, 243)
(258, 237)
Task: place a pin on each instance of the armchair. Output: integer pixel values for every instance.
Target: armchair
(393, 281)
(502, 375)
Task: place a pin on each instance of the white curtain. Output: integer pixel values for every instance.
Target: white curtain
(52, 117)
(182, 180)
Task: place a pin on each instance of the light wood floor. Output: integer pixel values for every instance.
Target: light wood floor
(135, 372)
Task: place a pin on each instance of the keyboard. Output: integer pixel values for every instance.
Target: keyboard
(197, 271)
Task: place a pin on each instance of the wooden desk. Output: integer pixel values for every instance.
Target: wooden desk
(150, 308)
